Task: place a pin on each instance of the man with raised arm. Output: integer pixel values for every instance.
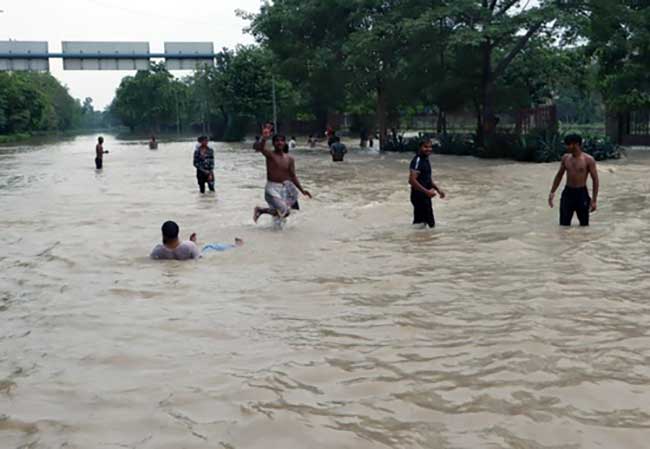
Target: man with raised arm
(575, 196)
(282, 186)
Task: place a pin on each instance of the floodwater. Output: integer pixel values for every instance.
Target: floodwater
(348, 329)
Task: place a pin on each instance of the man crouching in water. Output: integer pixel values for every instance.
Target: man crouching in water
(282, 184)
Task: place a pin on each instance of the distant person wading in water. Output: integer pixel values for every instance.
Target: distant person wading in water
(99, 153)
(204, 163)
(423, 189)
(282, 186)
(337, 149)
(575, 196)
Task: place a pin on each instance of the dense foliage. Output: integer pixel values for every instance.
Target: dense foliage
(483, 57)
(221, 101)
(618, 33)
(32, 102)
(383, 62)
(539, 146)
(399, 53)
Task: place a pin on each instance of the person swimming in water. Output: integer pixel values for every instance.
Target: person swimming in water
(282, 187)
(172, 247)
(575, 196)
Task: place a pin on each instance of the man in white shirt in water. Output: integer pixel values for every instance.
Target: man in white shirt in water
(172, 247)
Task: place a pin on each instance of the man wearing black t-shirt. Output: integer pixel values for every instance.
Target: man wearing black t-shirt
(423, 189)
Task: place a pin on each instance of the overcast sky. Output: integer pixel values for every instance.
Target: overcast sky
(153, 21)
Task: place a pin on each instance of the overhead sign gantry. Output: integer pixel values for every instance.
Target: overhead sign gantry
(24, 55)
(34, 56)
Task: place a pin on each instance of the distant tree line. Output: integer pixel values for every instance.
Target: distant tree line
(379, 61)
(33, 101)
(221, 101)
(483, 56)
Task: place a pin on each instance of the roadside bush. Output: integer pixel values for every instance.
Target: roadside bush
(537, 146)
(541, 146)
(456, 144)
(601, 148)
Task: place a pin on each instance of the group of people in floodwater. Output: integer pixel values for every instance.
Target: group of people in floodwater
(283, 187)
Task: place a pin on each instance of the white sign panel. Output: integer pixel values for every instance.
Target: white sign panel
(24, 47)
(84, 55)
(186, 50)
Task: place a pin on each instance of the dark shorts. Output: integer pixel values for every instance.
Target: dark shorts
(202, 179)
(422, 209)
(98, 163)
(574, 199)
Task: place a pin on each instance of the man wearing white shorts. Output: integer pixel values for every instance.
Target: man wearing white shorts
(282, 186)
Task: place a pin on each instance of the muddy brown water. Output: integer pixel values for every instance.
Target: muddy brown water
(348, 329)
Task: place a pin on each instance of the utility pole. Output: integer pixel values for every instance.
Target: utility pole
(275, 107)
(178, 118)
(207, 101)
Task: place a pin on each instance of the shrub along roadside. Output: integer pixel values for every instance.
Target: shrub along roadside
(540, 146)
(12, 138)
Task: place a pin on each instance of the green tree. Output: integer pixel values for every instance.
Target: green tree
(24, 104)
(403, 51)
(493, 34)
(306, 38)
(237, 91)
(146, 101)
(619, 39)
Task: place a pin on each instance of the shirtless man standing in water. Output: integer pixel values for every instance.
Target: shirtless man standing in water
(575, 196)
(99, 153)
(282, 184)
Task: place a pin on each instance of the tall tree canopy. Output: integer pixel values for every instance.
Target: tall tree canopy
(397, 50)
(34, 101)
(618, 33)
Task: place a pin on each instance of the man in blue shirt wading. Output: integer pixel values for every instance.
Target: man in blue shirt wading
(423, 189)
(204, 163)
